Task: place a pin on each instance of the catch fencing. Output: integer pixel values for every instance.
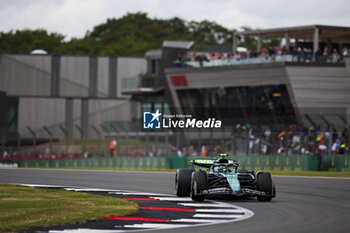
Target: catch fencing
(256, 162)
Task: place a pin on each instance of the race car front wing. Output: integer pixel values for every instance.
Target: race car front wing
(228, 191)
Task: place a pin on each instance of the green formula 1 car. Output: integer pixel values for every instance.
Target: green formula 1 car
(221, 177)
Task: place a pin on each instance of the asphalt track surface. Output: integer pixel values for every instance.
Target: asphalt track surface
(301, 205)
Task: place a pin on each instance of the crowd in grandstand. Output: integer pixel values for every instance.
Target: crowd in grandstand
(245, 139)
(294, 140)
(300, 54)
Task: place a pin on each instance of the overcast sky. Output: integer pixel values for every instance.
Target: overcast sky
(73, 18)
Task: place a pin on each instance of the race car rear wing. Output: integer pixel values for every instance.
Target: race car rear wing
(203, 162)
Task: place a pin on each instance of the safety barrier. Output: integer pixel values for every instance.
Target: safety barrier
(256, 162)
(119, 162)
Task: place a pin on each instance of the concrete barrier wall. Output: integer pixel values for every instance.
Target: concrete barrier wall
(256, 162)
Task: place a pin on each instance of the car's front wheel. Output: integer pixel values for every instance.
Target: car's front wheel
(264, 183)
(199, 183)
(183, 182)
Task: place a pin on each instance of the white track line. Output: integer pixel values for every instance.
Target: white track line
(85, 230)
(219, 211)
(192, 220)
(141, 194)
(173, 198)
(156, 225)
(217, 205)
(41, 185)
(216, 216)
(91, 190)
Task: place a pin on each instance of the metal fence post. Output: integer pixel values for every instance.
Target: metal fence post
(260, 139)
(19, 143)
(178, 141)
(137, 142)
(50, 135)
(3, 144)
(106, 131)
(167, 143)
(223, 145)
(156, 144)
(199, 142)
(211, 141)
(286, 140)
(65, 136)
(330, 129)
(34, 139)
(248, 140)
(82, 139)
(98, 139)
(127, 143)
(146, 149)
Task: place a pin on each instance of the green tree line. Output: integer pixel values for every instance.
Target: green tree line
(130, 35)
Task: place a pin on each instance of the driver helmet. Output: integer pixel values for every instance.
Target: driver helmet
(223, 169)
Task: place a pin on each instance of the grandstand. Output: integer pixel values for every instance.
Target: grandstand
(305, 83)
(302, 85)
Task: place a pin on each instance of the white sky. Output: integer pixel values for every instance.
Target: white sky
(73, 18)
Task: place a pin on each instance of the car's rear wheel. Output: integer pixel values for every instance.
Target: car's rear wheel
(183, 182)
(264, 183)
(199, 183)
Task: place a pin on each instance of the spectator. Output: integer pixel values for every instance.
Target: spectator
(112, 146)
(335, 56)
(299, 54)
(325, 51)
(318, 55)
(200, 59)
(204, 152)
(271, 53)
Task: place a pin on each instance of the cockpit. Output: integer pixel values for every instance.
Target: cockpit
(220, 168)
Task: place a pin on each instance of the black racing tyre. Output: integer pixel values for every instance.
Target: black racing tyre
(199, 182)
(264, 183)
(183, 182)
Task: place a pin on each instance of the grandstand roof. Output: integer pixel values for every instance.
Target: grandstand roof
(335, 33)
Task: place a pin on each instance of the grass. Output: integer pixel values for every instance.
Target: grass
(26, 207)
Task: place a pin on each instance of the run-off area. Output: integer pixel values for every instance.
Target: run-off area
(157, 211)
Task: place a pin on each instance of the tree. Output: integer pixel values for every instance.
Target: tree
(206, 33)
(248, 42)
(26, 41)
(131, 35)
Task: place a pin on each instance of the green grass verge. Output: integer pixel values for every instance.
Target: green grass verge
(25, 207)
